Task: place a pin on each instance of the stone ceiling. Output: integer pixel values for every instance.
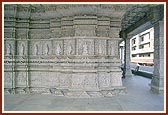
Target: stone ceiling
(129, 14)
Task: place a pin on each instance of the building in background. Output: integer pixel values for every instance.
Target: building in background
(142, 48)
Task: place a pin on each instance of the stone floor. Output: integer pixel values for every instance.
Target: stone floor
(138, 98)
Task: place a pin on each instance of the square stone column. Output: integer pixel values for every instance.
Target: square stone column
(127, 59)
(157, 83)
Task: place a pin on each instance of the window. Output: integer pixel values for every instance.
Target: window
(133, 41)
(142, 39)
(141, 46)
(133, 48)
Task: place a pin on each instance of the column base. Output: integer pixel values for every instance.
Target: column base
(128, 74)
(157, 89)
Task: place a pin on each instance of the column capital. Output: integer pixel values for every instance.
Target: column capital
(123, 34)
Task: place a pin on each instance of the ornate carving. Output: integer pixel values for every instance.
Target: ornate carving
(22, 49)
(36, 49)
(8, 49)
(85, 49)
(58, 49)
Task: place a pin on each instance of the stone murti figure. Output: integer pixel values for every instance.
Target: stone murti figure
(58, 49)
(8, 49)
(36, 50)
(46, 52)
(112, 49)
(22, 49)
(85, 49)
(69, 49)
(100, 49)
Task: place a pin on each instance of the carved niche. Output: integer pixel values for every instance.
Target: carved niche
(7, 79)
(113, 47)
(58, 47)
(21, 48)
(47, 48)
(9, 47)
(100, 47)
(85, 46)
(69, 47)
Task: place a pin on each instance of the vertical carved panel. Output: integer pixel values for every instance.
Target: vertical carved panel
(58, 47)
(22, 48)
(100, 47)
(9, 48)
(21, 79)
(104, 80)
(35, 48)
(46, 48)
(7, 79)
(85, 46)
(112, 47)
(69, 47)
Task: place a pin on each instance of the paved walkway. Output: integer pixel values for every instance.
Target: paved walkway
(138, 98)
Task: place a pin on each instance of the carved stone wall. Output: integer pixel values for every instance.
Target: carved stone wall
(73, 56)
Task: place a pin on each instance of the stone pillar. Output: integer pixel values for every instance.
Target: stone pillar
(157, 83)
(127, 59)
(127, 69)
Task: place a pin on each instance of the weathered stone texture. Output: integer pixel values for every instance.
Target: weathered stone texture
(73, 56)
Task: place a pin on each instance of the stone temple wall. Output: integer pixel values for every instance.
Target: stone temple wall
(73, 56)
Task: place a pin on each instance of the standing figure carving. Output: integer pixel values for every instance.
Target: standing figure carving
(100, 49)
(36, 50)
(58, 49)
(22, 49)
(70, 49)
(85, 49)
(112, 49)
(8, 49)
(46, 52)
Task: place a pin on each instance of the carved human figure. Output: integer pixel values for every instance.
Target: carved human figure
(58, 49)
(46, 52)
(22, 49)
(69, 49)
(112, 50)
(8, 49)
(85, 49)
(36, 50)
(100, 49)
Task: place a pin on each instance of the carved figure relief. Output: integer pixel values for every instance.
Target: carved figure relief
(100, 49)
(85, 49)
(46, 50)
(22, 49)
(8, 49)
(58, 49)
(36, 49)
(70, 49)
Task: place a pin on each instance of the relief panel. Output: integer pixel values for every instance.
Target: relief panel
(36, 79)
(69, 47)
(100, 47)
(47, 48)
(22, 48)
(65, 80)
(113, 47)
(7, 79)
(58, 47)
(21, 79)
(9, 48)
(85, 46)
(104, 80)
